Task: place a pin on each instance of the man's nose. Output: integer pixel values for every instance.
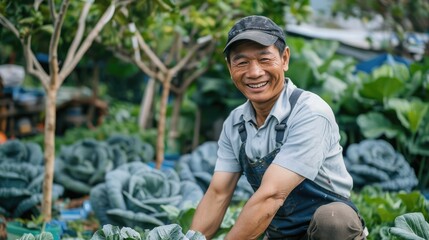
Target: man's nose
(255, 70)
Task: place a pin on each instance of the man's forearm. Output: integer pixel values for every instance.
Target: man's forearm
(209, 215)
(255, 217)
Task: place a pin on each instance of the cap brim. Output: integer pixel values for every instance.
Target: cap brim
(256, 36)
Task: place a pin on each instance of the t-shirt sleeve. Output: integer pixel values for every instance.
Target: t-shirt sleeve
(306, 145)
(226, 157)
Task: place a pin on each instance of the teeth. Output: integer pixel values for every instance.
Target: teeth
(257, 85)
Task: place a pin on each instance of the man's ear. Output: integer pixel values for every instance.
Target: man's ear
(285, 58)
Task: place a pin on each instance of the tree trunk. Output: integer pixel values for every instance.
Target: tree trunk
(49, 155)
(160, 145)
(146, 103)
(196, 140)
(92, 108)
(174, 124)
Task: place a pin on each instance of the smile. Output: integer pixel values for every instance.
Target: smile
(257, 85)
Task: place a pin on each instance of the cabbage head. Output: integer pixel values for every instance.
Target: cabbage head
(134, 193)
(132, 147)
(21, 179)
(82, 165)
(375, 162)
(199, 165)
(18, 152)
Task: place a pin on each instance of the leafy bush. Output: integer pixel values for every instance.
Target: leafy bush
(199, 165)
(375, 162)
(21, 179)
(379, 208)
(134, 194)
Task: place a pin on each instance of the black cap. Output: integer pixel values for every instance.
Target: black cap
(259, 29)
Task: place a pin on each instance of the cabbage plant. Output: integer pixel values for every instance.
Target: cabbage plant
(198, 166)
(171, 232)
(21, 179)
(84, 164)
(130, 149)
(375, 162)
(134, 195)
(410, 226)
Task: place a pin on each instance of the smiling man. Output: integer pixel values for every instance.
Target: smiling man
(286, 142)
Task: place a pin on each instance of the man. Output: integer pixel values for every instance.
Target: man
(286, 142)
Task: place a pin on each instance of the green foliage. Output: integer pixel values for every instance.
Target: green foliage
(379, 208)
(400, 113)
(410, 226)
(171, 231)
(121, 119)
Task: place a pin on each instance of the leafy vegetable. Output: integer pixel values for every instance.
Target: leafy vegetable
(85, 163)
(380, 208)
(20, 152)
(411, 226)
(171, 232)
(198, 167)
(375, 162)
(132, 147)
(41, 236)
(134, 193)
(21, 179)
(82, 165)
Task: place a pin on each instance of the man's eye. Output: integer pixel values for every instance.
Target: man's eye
(241, 63)
(265, 59)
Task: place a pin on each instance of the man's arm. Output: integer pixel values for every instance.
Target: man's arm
(259, 211)
(212, 208)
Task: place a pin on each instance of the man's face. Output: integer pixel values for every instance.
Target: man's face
(258, 71)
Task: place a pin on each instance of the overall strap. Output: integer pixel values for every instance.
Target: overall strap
(281, 127)
(242, 131)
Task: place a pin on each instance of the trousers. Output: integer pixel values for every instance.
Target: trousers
(333, 221)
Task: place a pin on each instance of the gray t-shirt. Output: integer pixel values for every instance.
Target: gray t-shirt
(310, 147)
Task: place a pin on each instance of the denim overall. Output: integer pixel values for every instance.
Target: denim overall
(293, 218)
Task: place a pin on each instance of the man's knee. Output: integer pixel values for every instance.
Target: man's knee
(335, 221)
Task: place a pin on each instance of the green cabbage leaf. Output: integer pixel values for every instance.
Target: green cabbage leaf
(134, 195)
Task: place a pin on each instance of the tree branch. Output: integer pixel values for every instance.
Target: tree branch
(107, 15)
(33, 66)
(7, 24)
(152, 56)
(53, 46)
(200, 42)
(174, 49)
(52, 10)
(79, 33)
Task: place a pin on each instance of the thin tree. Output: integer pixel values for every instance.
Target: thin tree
(52, 80)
